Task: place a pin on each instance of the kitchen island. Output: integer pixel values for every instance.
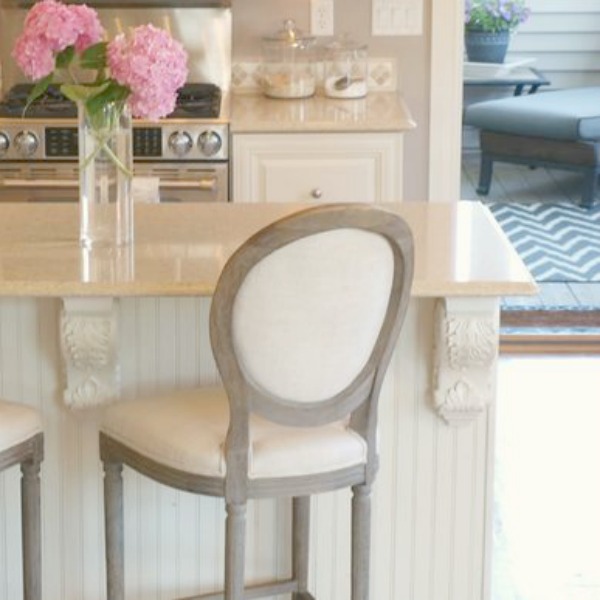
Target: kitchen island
(79, 329)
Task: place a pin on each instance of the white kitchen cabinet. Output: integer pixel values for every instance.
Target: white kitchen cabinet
(328, 167)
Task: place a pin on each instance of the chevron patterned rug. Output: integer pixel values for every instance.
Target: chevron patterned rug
(558, 242)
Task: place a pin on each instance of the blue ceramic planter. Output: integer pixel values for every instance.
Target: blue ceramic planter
(485, 47)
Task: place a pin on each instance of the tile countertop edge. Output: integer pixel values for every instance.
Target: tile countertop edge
(181, 249)
(378, 111)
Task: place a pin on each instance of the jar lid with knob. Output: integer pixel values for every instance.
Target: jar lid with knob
(346, 68)
(289, 67)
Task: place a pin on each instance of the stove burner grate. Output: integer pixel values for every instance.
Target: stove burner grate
(194, 101)
(198, 100)
(51, 104)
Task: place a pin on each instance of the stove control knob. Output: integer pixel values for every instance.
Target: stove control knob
(26, 143)
(209, 142)
(4, 143)
(180, 143)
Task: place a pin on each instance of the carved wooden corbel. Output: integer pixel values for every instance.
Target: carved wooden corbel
(88, 337)
(465, 353)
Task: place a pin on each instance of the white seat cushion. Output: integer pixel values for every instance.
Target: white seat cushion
(18, 423)
(186, 431)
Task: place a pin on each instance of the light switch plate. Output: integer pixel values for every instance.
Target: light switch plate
(321, 17)
(397, 17)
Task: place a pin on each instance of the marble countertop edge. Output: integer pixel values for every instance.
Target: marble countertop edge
(181, 250)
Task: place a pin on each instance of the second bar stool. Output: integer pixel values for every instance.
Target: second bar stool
(22, 443)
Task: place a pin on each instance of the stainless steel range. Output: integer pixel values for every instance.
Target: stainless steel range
(185, 156)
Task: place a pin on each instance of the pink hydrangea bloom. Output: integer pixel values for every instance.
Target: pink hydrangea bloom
(152, 65)
(34, 57)
(89, 28)
(49, 28)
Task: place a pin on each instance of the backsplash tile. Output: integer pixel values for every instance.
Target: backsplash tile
(245, 76)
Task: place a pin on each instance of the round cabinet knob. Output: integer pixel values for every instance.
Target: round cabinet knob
(180, 143)
(209, 143)
(4, 143)
(26, 143)
(317, 193)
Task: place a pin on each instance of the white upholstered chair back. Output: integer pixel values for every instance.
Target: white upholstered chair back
(306, 310)
(306, 318)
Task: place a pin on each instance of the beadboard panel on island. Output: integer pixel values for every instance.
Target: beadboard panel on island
(429, 508)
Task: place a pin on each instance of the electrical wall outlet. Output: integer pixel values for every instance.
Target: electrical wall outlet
(321, 17)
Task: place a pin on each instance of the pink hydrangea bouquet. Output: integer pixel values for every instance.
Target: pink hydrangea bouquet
(65, 44)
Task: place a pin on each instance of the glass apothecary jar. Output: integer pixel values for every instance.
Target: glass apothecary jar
(345, 69)
(289, 63)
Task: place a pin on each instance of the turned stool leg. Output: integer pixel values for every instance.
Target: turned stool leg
(31, 529)
(235, 548)
(300, 544)
(361, 541)
(113, 527)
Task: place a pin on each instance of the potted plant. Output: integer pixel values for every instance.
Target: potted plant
(488, 25)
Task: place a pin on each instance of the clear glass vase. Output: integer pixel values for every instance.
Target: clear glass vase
(105, 176)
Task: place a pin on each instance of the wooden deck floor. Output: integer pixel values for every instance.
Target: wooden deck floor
(558, 305)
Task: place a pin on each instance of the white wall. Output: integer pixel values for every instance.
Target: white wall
(564, 37)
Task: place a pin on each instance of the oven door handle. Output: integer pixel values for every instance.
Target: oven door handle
(205, 184)
(39, 183)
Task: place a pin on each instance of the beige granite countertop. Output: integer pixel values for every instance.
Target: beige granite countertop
(378, 111)
(180, 250)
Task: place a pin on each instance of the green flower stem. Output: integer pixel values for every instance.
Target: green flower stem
(103, 145)
(102, 126)
(117, 162)
(72, 74)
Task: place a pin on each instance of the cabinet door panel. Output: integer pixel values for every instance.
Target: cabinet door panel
(323, 179)
(325, 167)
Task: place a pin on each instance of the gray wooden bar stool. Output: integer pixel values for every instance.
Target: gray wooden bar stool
(21, 442)
(303, 323)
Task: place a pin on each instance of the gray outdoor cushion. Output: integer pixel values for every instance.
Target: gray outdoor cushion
(562, 115)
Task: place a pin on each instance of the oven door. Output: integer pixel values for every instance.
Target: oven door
(39, 182)
(162, 182)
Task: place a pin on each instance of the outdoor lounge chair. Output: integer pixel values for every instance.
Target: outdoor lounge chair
(555, 129)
